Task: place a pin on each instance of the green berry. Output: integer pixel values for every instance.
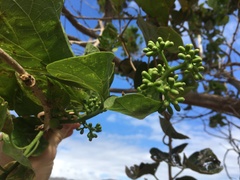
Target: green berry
(188, 47)
(180, 99)
(169, 44)
(181, 49)
(146, 75)
(181, 56)
(159, 39)
(151, 44)
(145, 50)
(174, 91)
(177, 107)
(166, 103)
(160, 89)
(150, 53)
(197, 59)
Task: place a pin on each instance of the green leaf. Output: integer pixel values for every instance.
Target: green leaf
(204, 161)
(157, 9)
(151, 32)
(90, 48)
(93, 71)
(169, 130)
(16, 154)
(143, 169)
(8, 85)
(135, 105)
(3, 112)
(6, 125)
(109, 38)
(24, 132)
(32, 33)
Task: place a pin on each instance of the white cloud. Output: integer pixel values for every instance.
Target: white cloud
(106, 156)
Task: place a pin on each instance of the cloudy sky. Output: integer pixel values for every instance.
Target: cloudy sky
(126, 141)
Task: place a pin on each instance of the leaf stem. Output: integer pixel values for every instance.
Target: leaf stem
(33, 145)
(164, 59)
(82, 119)
(12, 62)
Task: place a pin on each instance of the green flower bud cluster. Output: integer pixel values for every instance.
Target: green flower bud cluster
(91, 104)
(92, 130)
(153, 49)
(169, 88)
(192, 62)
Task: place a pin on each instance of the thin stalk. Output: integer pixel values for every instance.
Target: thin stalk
(164, 59)
(169, 165)
(32, 145)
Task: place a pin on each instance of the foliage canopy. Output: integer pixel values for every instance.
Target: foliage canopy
(47, 84)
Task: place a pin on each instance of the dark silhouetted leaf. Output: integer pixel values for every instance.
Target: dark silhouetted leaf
(169, 130)
(156, 9)
(186, 178)
(138, 74)
(217, 119)
(157, 155)
(132, 105)
(173, 159)
(144, 168)
(204, 161)
(151, 32)
(24, 132)
(179, 149)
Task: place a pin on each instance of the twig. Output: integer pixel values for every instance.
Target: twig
(77, 25)
(29, 81)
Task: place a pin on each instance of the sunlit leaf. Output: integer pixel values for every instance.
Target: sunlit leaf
(93, 71)
(90, 48)
(32, 33)
(132, 105)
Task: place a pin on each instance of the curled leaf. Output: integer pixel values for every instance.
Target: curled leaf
(204, 161)
(144, 168)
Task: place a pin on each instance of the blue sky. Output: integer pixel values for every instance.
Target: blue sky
(126, 141)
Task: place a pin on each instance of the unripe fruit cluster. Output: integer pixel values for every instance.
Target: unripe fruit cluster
(168, 88)
(153, 49)
(192, 62)
(91, 104)
(161, 82)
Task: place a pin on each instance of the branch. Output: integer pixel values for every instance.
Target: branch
(77, 25)
(29, 81)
